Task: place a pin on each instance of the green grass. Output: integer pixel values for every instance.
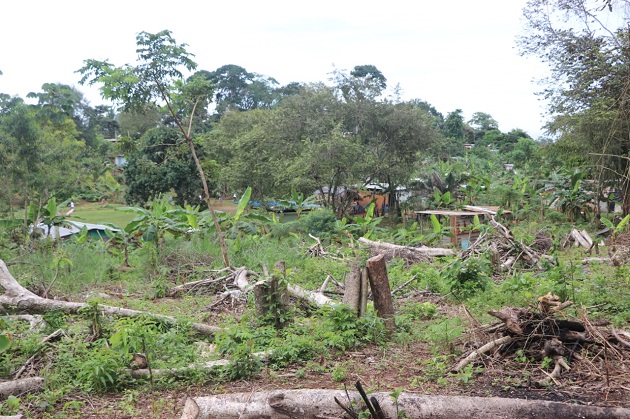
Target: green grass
(93, 213)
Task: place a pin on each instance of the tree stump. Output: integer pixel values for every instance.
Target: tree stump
(352, 294)
(381, 292)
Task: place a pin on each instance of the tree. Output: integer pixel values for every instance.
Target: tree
(157, 79)
(588, 86)
(162, 163)
(238, 89)
(454, 126)
(393, 139)
(363, 83)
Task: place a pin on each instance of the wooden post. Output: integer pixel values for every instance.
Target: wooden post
(352, 294)
(381, 292)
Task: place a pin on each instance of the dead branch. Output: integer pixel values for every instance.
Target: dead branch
(485, 348)
(175, 372)
(408, 253)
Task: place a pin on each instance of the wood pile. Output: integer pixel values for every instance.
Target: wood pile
(554, 347)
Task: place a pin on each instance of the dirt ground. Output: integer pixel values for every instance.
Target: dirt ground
(409, 367)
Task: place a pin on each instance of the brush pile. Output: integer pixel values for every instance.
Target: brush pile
(553, 347)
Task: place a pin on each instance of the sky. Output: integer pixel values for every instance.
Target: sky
(457, 54)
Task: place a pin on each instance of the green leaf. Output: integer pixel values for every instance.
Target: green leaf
(437, 227)
(5, 343)
(622, 224)
(242, 204)
(607, 223)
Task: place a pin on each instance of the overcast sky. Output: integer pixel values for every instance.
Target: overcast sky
(457, 54)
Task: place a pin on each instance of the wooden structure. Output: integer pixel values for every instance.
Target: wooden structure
(460, 221)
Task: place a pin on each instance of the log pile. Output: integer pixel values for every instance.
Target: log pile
(556, 346)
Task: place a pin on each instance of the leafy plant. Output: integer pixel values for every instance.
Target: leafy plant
(468, 276)
(100, 371)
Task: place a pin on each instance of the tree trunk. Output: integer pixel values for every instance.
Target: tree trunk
(394, 250)
(16, 297)
(381, 292)
(23, 385)
(320, 404)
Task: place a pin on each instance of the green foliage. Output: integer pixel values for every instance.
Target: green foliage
(469, 276)
(135, 334)
(243, 364)
(364, 226)
(5, 342)
(11, 406)
(100, 372)
(318, 223)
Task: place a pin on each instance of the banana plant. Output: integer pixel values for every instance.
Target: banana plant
(155, 222)
(363, 226)
(437, 231)
(302, 202)
(615, 230)
(242, 221)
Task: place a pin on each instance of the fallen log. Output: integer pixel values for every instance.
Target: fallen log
(20, 386)
(411, 254)
(316, 298)
(18, 298)
(312, 404)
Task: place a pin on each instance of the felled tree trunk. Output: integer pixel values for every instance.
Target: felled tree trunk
(16, 297)
(381, 292)
(320, 404)
(23, 385)
(412, 254)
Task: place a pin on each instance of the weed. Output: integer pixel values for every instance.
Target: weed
(339, 373)
(244, 365)
(99, 372)
(10, 406)
(469, 276)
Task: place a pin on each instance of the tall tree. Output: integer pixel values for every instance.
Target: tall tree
(237, 89)
(586, 45)
(157, 78)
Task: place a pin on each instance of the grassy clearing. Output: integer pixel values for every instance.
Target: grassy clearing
(313, 344)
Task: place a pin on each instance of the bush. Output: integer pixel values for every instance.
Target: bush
(469, 276)
(317, 223)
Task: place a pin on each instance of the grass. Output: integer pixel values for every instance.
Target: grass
(96, 214)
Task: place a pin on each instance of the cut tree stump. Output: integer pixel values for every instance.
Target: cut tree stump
(381, 292)
(352, 294)
(320, 404)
